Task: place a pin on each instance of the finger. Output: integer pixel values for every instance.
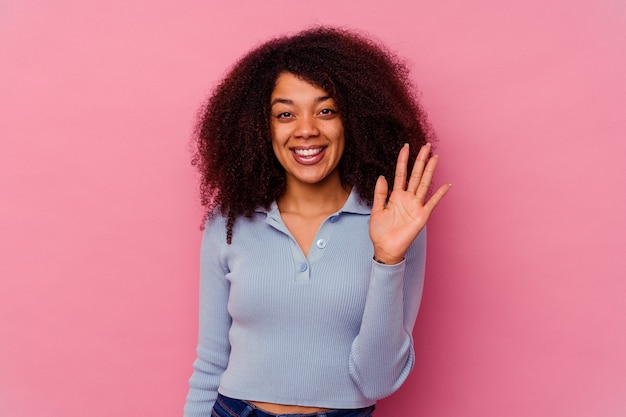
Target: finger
(380, 194)
(426, 178)
(436, 198)
(399, 182)
(418, 167)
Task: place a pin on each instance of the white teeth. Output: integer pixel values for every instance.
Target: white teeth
(307, 152)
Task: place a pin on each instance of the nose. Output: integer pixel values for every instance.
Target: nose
(306, 128)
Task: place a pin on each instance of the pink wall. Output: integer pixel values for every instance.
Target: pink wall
(524, 311)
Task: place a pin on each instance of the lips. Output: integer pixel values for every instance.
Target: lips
(308, 156)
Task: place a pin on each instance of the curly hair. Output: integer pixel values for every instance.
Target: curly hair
(376, 100)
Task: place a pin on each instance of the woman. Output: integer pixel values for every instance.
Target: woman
(311, 270)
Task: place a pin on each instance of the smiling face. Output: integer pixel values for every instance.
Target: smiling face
(307, 131)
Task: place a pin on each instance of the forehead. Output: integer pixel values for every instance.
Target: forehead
(289, 85)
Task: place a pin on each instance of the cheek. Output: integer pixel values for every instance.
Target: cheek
(275, 148)
(278, 151)
(341, 140)
(279, 132)
(274, 136)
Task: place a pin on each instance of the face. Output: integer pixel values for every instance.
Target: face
(307, 132)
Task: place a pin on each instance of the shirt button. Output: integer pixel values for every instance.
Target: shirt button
(321, 243)
(333, 219)
(303, 267)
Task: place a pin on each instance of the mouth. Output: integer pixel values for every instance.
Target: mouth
(309, 152)
(308, 156)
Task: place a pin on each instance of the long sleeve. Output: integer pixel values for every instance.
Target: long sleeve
(382, 353)
(214, 323)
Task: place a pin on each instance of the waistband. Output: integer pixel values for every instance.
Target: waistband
(242, 408)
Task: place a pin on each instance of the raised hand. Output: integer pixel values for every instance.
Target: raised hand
(394, 225)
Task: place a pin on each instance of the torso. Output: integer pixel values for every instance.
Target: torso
(303, 229)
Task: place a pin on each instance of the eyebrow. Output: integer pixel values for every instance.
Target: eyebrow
(287, 101)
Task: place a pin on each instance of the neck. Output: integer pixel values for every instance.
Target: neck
(314, 199)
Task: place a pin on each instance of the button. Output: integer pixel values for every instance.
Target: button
(321, 243)
(303, 267)
(333, 219)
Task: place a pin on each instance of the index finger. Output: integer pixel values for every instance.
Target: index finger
(399, 181)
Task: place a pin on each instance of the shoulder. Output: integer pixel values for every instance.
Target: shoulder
(217, 226)
(215, 223)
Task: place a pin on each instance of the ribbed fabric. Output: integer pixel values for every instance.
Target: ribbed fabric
(329, 330)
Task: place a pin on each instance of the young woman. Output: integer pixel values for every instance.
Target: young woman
(312, 265)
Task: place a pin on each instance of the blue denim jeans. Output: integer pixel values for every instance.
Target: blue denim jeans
(230, 407)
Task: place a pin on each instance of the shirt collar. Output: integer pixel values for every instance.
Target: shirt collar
(353, 204)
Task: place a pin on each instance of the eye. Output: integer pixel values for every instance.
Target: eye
(284, 115)
(327, 113)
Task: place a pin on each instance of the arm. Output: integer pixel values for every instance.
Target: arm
(214, 323)
(382, 354)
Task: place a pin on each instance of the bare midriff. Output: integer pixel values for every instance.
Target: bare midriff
(286, 409)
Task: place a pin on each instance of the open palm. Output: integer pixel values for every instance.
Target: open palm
(394, 224)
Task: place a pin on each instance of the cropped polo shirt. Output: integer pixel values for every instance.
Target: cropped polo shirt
(331, 329)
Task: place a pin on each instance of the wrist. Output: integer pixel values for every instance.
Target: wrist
(387, 261)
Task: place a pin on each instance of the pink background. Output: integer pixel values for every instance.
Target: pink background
(524, 311)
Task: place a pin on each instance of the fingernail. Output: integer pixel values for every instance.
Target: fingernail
(406, 145)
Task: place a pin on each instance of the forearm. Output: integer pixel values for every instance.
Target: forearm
(382, 353)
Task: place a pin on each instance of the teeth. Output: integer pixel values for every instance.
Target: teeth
(307, 152)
